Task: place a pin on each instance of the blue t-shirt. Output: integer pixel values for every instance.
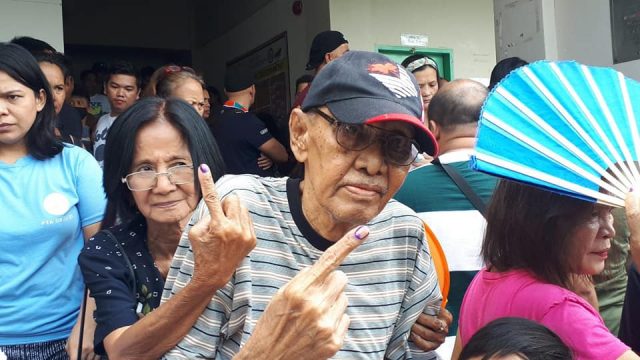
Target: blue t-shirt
(44, 206)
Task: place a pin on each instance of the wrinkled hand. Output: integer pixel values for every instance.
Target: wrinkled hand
(87, 343)
(221, 239)
(306, 318)
(632, 208)
(429, 332)
(264, 162)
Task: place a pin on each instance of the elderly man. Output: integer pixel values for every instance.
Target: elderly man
(357, 132)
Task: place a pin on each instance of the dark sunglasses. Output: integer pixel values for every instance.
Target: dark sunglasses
(397, 149)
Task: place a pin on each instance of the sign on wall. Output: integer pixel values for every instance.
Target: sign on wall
(270, 64)
(414, 40)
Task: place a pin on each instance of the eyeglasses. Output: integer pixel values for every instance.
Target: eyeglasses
(146, 180)
(397, 149)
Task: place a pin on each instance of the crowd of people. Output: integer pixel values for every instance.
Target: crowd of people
(147, 217)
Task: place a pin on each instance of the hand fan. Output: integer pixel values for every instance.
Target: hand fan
(566, 127)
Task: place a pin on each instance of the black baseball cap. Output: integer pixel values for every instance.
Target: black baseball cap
(324, 42)
(238, 78)
(363, 87)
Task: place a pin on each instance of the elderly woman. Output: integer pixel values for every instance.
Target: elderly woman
(357, 132)
(152, 189)
(183, 83)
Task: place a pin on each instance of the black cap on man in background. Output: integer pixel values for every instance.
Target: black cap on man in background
(325, 42)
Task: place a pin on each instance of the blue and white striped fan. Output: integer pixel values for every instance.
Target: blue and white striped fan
(566, 127)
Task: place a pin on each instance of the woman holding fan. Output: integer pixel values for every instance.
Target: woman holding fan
(535, 241)
(568, 132)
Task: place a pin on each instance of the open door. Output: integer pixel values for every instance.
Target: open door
(442, 57)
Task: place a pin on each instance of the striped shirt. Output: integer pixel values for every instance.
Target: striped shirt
(457, 224)
(391, 279)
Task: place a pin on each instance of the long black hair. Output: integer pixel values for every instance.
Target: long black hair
(120, 148)
(516, 336)
(22, 67)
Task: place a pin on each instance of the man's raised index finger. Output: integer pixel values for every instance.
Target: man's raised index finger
(209, 193)
(335, 255)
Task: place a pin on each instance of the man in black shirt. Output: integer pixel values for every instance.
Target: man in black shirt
(242, 137)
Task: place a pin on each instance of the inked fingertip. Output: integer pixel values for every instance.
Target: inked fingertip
(361, 232)
(204, 168)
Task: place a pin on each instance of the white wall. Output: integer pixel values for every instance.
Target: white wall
(466, 26)
(41, 19)
(526, 29)
(584, 34)
(269, 21)
(569, 30)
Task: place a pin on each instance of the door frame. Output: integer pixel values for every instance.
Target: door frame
(442, 56)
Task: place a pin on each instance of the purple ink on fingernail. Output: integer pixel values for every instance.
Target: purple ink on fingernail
(204, 168)
(361, 232)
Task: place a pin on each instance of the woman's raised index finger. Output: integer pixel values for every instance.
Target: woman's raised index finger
(209, 193)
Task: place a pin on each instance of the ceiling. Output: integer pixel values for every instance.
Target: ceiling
(118, 21)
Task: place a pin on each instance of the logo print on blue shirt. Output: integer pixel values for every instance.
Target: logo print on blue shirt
(56, 204)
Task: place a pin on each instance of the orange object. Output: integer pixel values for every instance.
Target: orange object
(440, 262)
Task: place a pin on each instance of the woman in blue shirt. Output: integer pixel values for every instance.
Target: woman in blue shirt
(51, 200)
